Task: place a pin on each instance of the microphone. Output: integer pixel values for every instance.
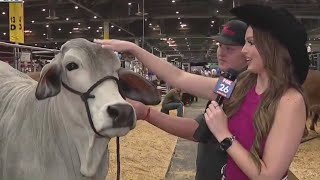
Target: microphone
(225, 85)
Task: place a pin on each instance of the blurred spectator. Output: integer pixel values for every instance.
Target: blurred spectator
(173, 101)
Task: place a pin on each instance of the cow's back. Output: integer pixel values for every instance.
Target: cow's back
(14, 86)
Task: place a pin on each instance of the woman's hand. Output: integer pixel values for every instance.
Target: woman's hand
(217, 121)
(140, 108)
(116, 45)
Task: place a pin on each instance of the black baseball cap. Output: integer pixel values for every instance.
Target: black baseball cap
(233, 33)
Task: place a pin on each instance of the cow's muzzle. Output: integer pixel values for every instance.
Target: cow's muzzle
(122, 115)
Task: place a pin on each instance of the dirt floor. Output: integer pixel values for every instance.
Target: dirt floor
(145, 153)
(306, 164)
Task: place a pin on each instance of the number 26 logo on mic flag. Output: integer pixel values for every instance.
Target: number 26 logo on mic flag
(224, 87)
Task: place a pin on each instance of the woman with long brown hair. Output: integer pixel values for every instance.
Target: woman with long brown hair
(261, 126)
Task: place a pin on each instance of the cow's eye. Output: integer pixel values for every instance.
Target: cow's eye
(72, 66)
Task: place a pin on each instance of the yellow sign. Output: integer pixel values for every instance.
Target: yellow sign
(106, 32)
(16, 22)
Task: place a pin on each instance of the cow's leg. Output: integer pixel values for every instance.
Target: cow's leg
(314, 121)
(306, 132)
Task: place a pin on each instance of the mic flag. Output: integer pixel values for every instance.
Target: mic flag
(225, 85)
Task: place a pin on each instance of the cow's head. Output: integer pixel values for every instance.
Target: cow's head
(79, 65)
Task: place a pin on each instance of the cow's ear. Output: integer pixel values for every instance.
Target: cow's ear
(138, 88)
(50, 81)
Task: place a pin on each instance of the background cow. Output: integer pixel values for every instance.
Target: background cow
(311, 88)
(44, 128)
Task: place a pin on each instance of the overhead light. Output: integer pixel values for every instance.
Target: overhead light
(180, 22)
(59, 29)
(183, 25)
(95, 17)
(217, 11)
(36, 44)
(186, 38)
(212, 22)
(76, 7)
(44, 34)
(98, 30)
(55, 43)
(70, 32)
(32, 21)
(179, 18)
(79, 24)
(310, 44)
(177, 12)
(150, 24)
(129, 4)
(172, 45)
(173, 1)
(112, 26)
(4, 33)
(43, 10)
(220, 0)
(211, 25)
(89, 27)
(67, 19)
(45, 45)
(119, 29)
(47, 25)
(75, 29)
(3, 13)
(100, 27)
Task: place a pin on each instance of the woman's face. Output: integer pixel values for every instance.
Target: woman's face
(253, 58)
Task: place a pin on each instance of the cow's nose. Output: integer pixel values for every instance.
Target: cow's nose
(122, 115)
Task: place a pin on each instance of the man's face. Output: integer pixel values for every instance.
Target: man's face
(230, 57)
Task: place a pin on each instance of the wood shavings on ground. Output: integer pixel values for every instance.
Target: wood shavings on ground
(145, 153)
(306, 164)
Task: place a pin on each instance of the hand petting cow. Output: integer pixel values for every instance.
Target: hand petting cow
(60, 127)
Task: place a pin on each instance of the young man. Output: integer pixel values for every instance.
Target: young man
(210, 160)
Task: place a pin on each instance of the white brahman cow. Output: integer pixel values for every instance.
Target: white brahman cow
(59, 128)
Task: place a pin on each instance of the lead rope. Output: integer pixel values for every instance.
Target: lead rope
(118, 158)
(84, 97)
(118, 142)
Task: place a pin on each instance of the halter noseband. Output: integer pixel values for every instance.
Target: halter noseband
(86, 95)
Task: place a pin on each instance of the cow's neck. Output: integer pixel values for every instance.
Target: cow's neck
(54, 143)
(92, 152)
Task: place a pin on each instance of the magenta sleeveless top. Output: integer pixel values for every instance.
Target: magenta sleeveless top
(241, 126)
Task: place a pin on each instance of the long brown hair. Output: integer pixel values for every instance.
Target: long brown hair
(277, 63)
